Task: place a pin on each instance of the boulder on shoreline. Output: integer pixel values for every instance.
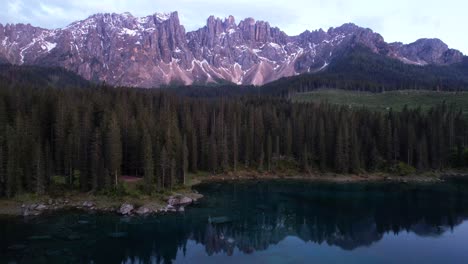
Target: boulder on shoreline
(126, 209)
(41, 207)
(179, 200)
(219, 220)
(88, 204)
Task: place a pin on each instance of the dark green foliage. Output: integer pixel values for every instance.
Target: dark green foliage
(148, 159)
(87, 138)
(402, 169)
(40, 77)
(112, 151)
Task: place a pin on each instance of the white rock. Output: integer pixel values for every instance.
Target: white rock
(88, 204)
(126, 209)
(179, 200)
(41, 207)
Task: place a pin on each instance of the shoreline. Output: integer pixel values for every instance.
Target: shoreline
(338, 178)
(177, 201)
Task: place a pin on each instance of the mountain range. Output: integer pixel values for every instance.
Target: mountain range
(152, 51)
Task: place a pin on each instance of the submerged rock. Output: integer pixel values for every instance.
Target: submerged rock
(118, 235)
(74, 237)
(168, 208)
(143, 211)
(126, 209)
(17, 247)
(26, 212)
(219, 220)
(45, 237)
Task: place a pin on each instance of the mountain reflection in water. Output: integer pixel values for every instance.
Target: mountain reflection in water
(256, 216)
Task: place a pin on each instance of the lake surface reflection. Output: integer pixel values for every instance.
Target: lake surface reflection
(261, 222)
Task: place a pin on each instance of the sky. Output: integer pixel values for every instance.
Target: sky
(396, 20)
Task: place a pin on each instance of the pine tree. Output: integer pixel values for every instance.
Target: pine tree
(194, 152)
(354, 153)
(213, 155)
(305, 159)
(339, 151)
(422, 157)
(112, 151)
(148, 165)
(173, 170)
(277, 147)
(269, 152)
(289, 139)
(2, 169)
(261, 158)
(96, 160)
(164, 165)
(235, 149)
(322, 146)
(39, 170)
(185, 160)
(11, 170)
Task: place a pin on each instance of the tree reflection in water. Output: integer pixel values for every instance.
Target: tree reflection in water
(260, 214)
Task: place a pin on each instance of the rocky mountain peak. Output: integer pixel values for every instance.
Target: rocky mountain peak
(429, 51)
(347, 28)
(230, 22)
(150, 51)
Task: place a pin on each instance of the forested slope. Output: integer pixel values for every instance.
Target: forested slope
(40, 77)
(359, 69)
(88, 137)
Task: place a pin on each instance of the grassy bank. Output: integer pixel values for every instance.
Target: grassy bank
(106, 200)
(333, 177)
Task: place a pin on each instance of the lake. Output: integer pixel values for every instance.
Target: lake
(261, 222)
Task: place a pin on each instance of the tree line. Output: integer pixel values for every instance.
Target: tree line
(89, 137)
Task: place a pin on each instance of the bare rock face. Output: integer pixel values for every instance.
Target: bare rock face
(151, 51)
(430, 51)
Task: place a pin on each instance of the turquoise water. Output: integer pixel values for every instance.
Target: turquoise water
(261, 222)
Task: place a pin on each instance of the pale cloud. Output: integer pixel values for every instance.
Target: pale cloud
(396, 20)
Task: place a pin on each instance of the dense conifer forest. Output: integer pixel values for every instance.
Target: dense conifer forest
(88, 137)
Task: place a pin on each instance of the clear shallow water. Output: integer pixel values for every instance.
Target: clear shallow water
(267, 222)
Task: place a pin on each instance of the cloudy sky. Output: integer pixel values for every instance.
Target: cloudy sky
(396, 20)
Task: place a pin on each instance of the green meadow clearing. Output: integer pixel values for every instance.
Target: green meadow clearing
(395, 100)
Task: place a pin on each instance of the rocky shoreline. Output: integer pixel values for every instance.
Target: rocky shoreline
(178, 202)
(175, 203)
